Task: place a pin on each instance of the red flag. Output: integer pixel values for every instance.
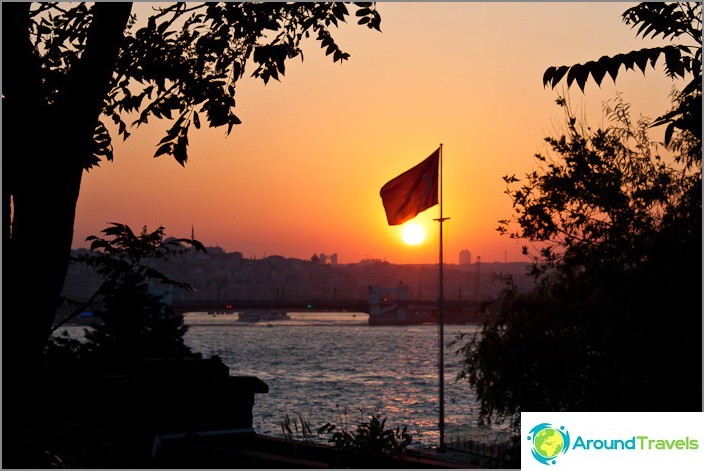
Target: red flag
(413, 191)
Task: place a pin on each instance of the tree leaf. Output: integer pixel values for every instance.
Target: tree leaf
(557, 75)
(179, 150)
(579, 73)
(640, 58)
(669, 131)
(597, 70)
(612, 67)
(363, 12)
(164, 149)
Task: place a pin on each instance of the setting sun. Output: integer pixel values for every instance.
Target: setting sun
(291, 127)
(413, 234)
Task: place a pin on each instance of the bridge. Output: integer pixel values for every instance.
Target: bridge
(381, 312)
(232, 305)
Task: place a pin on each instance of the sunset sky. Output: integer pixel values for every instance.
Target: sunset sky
(302, 173)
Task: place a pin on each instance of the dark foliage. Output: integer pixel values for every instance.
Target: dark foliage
(184, 62)
(368, 444)
(618, 300)
(133, 322)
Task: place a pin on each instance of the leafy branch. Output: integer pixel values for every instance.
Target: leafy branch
(671, 21)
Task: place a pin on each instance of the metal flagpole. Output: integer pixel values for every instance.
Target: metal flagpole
(441, 322)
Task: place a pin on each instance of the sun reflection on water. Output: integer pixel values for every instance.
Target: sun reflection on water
(314, 364)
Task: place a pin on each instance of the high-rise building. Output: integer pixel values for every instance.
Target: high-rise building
(465, 257)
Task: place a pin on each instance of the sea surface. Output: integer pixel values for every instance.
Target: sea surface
(334, 367)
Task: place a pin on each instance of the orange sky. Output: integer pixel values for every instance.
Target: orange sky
(302, 174)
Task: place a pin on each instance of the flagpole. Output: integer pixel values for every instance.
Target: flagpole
(441, 321)
(403, 198)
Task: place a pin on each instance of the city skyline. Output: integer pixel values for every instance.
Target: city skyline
(301, 175)
(465, 256)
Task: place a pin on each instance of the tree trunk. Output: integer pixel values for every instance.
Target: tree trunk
(45, 148)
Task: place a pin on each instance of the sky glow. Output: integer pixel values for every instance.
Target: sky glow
(301, 175)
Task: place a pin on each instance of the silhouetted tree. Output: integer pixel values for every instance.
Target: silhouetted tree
(617, 221)
(68, 69)
(71, 67)
(618, 297)
(135, 322)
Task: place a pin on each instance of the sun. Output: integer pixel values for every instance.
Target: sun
(413, 234)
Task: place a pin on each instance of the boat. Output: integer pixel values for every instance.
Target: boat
(263, 315)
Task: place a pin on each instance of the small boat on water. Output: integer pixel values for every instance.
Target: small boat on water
(263, 315)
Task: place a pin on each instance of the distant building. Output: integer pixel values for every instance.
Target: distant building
(465, 257)
(372, 261)
(230, 275)
(323, 259)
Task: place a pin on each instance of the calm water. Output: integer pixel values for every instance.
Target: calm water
(316, 362)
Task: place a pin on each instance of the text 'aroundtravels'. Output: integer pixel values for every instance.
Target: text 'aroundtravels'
(641, 442)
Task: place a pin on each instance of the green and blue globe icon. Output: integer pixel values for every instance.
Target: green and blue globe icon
(548, 442)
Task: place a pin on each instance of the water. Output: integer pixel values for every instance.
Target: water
(318, 365)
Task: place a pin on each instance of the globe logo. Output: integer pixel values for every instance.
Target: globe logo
(548, 442)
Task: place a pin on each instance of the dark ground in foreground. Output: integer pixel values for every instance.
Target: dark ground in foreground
(121, 446)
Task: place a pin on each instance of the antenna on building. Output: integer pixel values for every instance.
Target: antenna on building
(193, 232)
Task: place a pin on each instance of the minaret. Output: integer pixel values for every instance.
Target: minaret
(193, 233)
